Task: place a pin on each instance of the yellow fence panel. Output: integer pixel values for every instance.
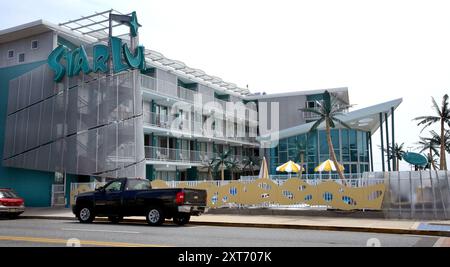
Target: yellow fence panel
(293, 191)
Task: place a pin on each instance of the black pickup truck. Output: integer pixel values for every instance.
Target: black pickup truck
(135, 197)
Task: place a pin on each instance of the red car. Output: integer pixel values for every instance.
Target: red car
(11, 204)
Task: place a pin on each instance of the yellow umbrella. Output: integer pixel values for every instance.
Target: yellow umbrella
(327, 166)
(289, 167)
(264, 172)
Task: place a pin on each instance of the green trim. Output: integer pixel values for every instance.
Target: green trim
(150, 172)
(66, 43)
(317, 97)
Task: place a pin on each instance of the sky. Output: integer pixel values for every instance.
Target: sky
(381, 50)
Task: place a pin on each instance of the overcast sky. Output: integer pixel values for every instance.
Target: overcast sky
(380, 50)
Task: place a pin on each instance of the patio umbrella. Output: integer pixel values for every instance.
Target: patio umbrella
(327, 166)
(264, 172)
(289, 167)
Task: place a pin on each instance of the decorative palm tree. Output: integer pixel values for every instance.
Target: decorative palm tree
(328, 111)
(300, 149)
(210, 167)
(398, 153)
(432, 161)
(222, 161)
(250, 162)
(442, 116)
(430, 144)
(235, 167)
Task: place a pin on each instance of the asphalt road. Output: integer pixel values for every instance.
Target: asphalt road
(54, 233)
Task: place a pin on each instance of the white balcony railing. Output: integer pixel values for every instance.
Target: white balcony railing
(192, 127)
(168, 89)
(181, 155)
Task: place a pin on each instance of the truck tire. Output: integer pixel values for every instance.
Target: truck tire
(115, 219)
(181, 219)
(86, 215)
(155, 216)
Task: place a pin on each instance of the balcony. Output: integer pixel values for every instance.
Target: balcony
(311, 115)
(179, 93)
(188, 157)
(170, 155)
(167, 89)
(194, 128)
(316, 106)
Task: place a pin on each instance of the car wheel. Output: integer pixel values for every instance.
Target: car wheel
(181, 219)
(155, 216)
(115, 219)
(86, 215)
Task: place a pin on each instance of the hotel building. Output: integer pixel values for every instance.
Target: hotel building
(163, 121)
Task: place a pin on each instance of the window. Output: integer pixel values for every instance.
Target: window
(11, 54)
(310, 104)
(135, 184)
(21, 57)
(8, 194)
(34, 44)
(114, 187)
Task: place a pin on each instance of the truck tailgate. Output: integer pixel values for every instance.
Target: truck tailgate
(195, 197)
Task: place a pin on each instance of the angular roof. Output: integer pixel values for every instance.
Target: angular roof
(365, 119)
(260, 96)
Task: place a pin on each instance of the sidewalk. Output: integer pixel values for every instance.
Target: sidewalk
(434, 228)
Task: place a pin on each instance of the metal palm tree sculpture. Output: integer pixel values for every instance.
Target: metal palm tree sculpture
(328, 112)
(398, 153)
(432, 162)
(430, 144)
(235, 167)
(210, 167)
(250, 162)
(443, 117)
(222, 162)
(300, 149)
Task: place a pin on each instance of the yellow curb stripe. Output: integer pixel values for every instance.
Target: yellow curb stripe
(83, 242)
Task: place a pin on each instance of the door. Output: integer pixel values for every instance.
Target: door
(132, 203)
(108, 201)
(59, 190)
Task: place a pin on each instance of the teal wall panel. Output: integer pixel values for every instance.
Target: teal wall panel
(33, 186)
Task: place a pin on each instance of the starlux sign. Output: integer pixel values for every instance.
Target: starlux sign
(77, 60)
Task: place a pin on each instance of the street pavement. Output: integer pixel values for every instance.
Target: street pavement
(39, 233)
(371, 225)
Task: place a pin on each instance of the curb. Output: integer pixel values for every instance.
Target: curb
(279, 226)
(329, 228)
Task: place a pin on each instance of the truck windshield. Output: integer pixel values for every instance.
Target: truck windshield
(135, 184)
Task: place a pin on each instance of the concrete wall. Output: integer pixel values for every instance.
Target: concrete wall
(289, 110)
(45, 46)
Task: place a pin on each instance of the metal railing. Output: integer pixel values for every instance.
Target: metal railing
(163, 154)
(312, 115)
(191, 127)
(58, 195)
(178, 155)
(309, 176)
(173, 122)
(172, 90)
(167, 89)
